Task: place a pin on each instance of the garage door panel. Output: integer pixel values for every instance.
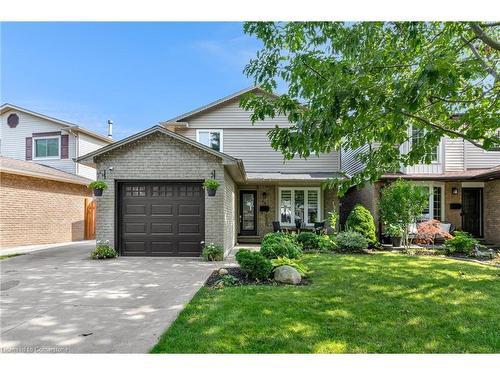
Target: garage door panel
(162, 210)
(135, 228)
(189, 210)
(164, 248)
(162, 228)
(161, 218)
(186, 248)
(135, 209)
(189, 228)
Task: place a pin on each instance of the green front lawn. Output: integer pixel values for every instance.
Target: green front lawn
(383, 303)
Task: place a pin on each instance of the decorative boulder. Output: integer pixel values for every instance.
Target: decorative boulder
(223, 272)
(287, 275)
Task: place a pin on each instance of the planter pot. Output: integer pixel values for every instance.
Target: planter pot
(211, 192)
(98, 192)
(396, 241)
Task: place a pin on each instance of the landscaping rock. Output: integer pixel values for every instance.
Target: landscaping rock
(223, 272)
(287, 275)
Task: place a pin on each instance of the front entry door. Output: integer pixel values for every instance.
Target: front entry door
(472, 208)
(248, 213)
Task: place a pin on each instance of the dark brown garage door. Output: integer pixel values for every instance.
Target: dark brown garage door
(161, 218)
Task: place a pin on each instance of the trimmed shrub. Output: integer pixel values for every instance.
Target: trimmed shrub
(462, 243)
(212, 252)
(351, 241)
(295, 263)
(326, 243)
(308, 240)
(361, 220)
(254, 264)
(103, 251)
(276, 245)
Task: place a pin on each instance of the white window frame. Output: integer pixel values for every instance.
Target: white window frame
(431, 185)
(305, 189)
(221, 136)
(438, 147)
(33, 148)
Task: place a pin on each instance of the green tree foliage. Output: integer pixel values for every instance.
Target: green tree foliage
(361, 220)
(354, 84)
(401, 203)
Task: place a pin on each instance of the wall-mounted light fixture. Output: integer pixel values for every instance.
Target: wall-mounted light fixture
(454, 191)
(264, 195)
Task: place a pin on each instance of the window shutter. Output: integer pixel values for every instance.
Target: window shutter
(64, 146)
(29, 148)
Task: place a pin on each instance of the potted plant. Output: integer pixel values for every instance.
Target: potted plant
(98, 187)
(396, 232)
(211, 185)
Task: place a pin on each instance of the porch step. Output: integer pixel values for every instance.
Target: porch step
(248, 239)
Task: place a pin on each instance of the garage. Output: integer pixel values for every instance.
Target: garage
(161, 218)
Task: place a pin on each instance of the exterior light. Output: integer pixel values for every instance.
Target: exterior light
(454, 191)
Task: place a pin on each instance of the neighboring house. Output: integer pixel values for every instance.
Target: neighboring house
(40, 204)
(44, 193)
(155, 204)
(31, 136)
(463, 182)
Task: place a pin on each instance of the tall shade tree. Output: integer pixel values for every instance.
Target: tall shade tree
(350, 85)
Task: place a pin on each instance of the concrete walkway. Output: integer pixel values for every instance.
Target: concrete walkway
(59, 300)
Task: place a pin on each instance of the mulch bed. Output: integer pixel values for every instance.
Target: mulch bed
(238, 273)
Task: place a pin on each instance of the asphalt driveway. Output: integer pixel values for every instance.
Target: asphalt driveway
(59, 300)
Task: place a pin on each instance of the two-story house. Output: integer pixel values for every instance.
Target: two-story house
(463, 183)
(155, 204)
(43, 189)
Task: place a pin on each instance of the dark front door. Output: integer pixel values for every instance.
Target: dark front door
(248, 213)
(161, 218)
(472, 211)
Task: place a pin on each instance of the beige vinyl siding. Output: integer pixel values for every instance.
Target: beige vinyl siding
(230, 115)
(14, 139)
(350, 164)
(454, 154)
(432, 168)
(251, 143)
(476, 157)
(254, 148)
(87, 144)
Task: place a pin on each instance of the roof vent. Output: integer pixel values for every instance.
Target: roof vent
(13, 120)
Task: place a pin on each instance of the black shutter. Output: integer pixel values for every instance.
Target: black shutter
(64, 146)
(29, 148)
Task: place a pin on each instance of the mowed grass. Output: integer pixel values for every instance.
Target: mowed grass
(380, 303)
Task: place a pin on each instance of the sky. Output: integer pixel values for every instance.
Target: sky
(136, 74)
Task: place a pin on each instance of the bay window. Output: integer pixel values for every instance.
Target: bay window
(210, 138)
(299, 204)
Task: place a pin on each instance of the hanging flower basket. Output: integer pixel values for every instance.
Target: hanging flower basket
(98, 187)
(211, 186)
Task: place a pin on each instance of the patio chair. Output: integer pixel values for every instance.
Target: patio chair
(276, 226)
(319, 227)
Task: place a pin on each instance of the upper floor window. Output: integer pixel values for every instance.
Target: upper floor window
(416, 137)
(210, 138)
(299, 204)
(47, 148)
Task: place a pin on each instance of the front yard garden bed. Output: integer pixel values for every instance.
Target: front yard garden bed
(216, 279)
(383, 303)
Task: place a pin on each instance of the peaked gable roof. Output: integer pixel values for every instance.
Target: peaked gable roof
(88, 158)
(68, 125)
(214, 104)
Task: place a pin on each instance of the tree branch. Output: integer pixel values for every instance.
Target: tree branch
(495, 44)
(439, 127)
(488, 68)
